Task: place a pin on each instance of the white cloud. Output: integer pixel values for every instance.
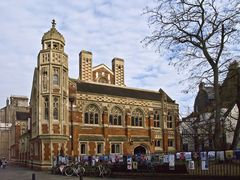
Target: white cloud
(107, 28)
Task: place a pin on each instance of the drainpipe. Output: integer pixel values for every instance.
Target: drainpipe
(71, 99)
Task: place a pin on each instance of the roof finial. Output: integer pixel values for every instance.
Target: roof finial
(53, 23)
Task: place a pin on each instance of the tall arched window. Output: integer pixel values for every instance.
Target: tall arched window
(156, 118)
(169, 120)
(55, 107)
(115, 117)
(137, 118)
(46, 108)
(91, 115)
(56, 77)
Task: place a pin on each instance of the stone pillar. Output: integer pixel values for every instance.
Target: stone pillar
(128, 123)
(165, 140)
(105, 131)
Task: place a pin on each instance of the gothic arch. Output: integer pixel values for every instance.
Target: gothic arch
(116, 116)
(141, 148)
(92, 114)
(138, 117)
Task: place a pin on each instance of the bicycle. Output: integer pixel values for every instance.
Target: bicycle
(103, 170)
(74, 169)
(59, 169)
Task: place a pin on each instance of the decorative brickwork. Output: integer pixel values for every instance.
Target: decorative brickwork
(45, 129)
(56, 129)
(47, 151)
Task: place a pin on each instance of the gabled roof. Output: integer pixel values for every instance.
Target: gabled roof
(120, 91)
(102, 66)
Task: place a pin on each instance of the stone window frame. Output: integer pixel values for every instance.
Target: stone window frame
(135, 118)
(158, 142)
(157, 118)
(171, 143)
(101, 148)
(56, 73)
(56, 101)
(118, 145)
(46, 107)
(88, 113)
(116, 113)
(170, 120)
(85, 149)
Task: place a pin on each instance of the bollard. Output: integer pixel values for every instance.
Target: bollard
(80, 176)
(33, 177)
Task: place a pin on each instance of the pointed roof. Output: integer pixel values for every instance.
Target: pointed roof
(53, 34)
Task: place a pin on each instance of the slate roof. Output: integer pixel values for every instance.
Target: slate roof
(120, 91)
(22, 115)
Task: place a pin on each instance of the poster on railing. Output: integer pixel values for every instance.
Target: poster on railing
(211, 155)
(129, 163)
(178, 156)
(188, 156)
(205, 165)
(220, 155)
(191, 165)
(237, 154)
(203, 156)
(171, 159)
(229, 154)
(165, 159)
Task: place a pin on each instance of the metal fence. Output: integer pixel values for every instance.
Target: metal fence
(217, 169)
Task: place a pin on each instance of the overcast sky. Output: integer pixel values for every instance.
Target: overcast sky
(107, 28)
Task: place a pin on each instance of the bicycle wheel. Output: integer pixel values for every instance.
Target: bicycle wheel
(107, 172)
(81, 170)
(69, 171)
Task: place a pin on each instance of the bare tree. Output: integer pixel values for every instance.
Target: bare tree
(199, 35)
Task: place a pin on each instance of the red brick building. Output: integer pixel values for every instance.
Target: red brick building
(96, 113)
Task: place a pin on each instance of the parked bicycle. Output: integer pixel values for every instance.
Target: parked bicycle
(103, 170)
(59, 169)
(74, 169)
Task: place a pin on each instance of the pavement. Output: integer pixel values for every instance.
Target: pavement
(23, 173)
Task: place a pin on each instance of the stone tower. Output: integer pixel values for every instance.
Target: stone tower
(52, 94)
(118, 70)
(85, 58)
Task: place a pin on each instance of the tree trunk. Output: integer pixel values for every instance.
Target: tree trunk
(217, 131)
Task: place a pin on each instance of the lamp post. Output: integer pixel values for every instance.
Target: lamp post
(71, 99)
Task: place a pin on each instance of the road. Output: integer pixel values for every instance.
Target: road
(22, 173)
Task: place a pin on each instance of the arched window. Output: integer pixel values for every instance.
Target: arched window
(137, 118)
(103, 80)
(55, 107)
(56, 77)
(156, 118)
(115, 117)
(169, 120)
(46, 108)
(91, 115)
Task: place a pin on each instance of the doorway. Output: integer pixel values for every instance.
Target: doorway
(139, 150)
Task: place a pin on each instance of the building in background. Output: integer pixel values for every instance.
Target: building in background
(8, 120)
(94, 114)
(197, 129)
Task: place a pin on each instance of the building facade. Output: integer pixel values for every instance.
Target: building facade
(94, 114)
(12, 124)
(197, 129)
